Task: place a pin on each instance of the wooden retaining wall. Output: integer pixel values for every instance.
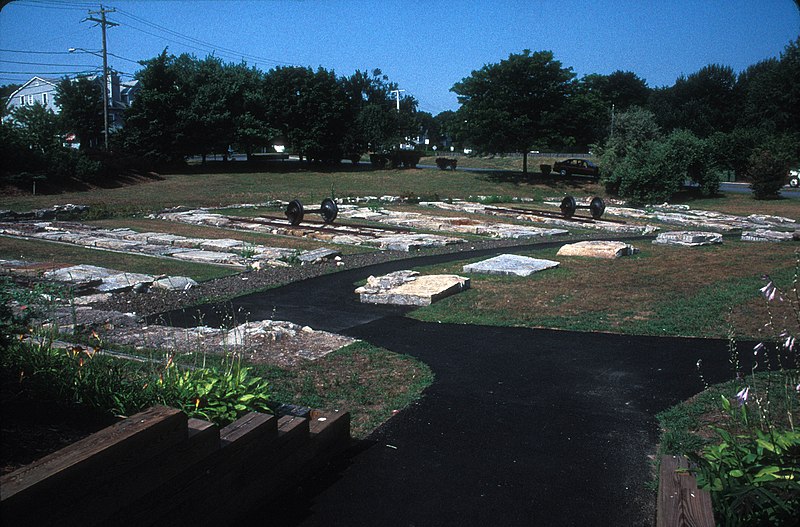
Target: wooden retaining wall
(680, 503)
(158, 467)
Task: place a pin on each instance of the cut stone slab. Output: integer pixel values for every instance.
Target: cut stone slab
(319, 254)
(79, 274)
(598, 249)
(175, 283)
(407, 288)
(688, 238)
(510, 265)
(765, 235)
(123, 281)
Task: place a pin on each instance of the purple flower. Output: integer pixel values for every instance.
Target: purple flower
(770, 291)
(742, 395)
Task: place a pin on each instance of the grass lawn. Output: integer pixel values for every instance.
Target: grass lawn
(372, 383)
(702, 291)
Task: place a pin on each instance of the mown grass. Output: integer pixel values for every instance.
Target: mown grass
(688, 426)
(64, 254)
(660, 291)
(370, 382)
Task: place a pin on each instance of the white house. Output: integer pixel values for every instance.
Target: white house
(37, 90)
(43, 90)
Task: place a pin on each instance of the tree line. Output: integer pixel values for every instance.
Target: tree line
(649, 140)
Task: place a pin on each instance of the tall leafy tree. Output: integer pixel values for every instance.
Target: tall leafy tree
(378, 125)
(81, 102)
(704, 102)
(508, 106)
(152, 127)
(310, 110)
(248, 105)
(39, 128)
(207, 114)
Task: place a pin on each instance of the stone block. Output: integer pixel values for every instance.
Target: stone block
(766, 235)
(175, 283)
(318, 254)
(510, 265)
(79, 274)
(688, 238)
(123, 282)
(598, 249)
(414, 291)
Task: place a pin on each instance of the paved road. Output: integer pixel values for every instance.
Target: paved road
(520, 427)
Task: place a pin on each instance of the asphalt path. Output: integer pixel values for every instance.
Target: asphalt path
(520, 427)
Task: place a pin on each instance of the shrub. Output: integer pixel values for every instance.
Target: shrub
(768, 174)
(546, 169)
(654, 170)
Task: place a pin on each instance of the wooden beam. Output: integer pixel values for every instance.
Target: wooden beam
(680, 503)
(46, 490)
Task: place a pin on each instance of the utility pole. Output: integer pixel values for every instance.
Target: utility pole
(397, 93)
(103, 23)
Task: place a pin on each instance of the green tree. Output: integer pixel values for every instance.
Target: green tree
(310, 110)
(39, 128)
(767, 172)
(5, 92)
(249, 110)
(449, 127)
(377, 125)
(153, 129)
(704, 102)
(81, 102)
(772, 94)
(507, 107)
(206, 116)
(633, 130)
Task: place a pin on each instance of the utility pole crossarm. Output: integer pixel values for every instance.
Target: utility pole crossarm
(397, 93)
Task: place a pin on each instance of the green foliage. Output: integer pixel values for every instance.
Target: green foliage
(641, 165)
(508, 106)
(216, 394)
(753, 479)
(38, 127)
(768, 174)
(81, 102)
(84, 376)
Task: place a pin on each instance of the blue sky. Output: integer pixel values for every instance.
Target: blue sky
(425, 47)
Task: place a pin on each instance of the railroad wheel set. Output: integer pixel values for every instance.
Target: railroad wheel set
(328, 209)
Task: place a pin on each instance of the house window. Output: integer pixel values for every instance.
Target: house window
(44, 99)
(22, 100)
(30, 100)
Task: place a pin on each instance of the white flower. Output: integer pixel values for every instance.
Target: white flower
(742, 395)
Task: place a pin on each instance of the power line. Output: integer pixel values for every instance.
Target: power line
(73, 72)
(45, 4)
(35, 52)
(203, 45)
(46, 64)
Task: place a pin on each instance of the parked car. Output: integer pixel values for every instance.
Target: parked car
(794, 177)
(583, 167)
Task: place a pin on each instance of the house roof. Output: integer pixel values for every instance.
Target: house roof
(51, 82)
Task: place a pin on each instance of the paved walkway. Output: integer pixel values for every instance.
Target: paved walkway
(520, 427)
